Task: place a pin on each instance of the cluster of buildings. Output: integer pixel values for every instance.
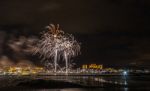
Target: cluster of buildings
(29, 70)
(14, 70)
(85, 69)
(97, 68)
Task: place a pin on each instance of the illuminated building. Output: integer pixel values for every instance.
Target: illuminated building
(92, 66)
(24, 70)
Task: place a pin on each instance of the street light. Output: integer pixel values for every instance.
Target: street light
(125, 73)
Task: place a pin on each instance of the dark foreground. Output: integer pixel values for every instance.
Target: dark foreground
(75, 83)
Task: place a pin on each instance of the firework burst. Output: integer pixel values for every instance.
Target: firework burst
(55, 44)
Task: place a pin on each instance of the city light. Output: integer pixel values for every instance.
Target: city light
(125, 73)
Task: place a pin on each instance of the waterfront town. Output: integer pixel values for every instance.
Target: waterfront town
(85, 69)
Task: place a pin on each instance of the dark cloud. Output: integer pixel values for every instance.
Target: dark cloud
(112, 32)
(83, 16)
(117, 48)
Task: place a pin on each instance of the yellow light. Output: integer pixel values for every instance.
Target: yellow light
(84, 66)
(92, 66)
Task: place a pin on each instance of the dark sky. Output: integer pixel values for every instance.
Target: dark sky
(112, 32)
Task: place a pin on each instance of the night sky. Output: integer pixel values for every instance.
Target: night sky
(111, 32)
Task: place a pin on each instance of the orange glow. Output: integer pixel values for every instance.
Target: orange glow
(92, 66)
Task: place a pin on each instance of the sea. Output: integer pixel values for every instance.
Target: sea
(78, 83)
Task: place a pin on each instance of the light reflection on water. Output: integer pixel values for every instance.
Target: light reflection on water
(79, 89)
(102, 83)
(93, 80)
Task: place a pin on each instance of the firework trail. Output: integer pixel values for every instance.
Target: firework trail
(55, 44)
